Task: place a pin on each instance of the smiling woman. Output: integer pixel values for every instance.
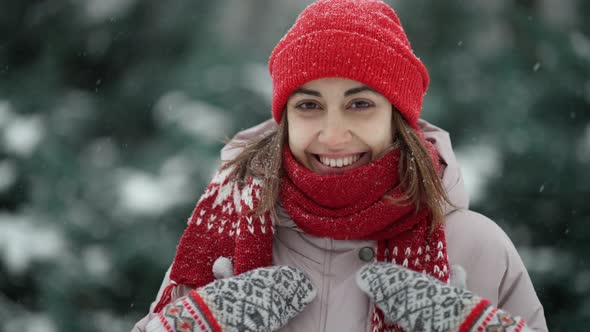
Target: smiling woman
(346, 176)
(333, 126)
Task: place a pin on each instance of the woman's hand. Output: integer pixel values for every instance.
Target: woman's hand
(260, 300)
(419, 302)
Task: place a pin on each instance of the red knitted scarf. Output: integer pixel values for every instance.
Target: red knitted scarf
(353, 206)
(357, 205)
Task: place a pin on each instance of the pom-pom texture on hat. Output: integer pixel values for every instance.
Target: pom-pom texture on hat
(362, 40)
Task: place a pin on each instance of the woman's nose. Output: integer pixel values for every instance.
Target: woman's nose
(335, 130)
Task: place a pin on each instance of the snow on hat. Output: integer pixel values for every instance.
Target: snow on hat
(362, 40)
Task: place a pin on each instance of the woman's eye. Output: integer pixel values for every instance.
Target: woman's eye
(361, 104)
(308, 105)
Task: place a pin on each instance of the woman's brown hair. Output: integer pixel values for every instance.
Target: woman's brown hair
(261, 157)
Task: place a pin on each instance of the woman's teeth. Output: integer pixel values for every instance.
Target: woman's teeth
(340, 162)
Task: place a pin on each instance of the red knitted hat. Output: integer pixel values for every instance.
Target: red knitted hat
(362, 40)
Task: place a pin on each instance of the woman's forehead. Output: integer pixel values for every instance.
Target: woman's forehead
(333, 85)
(331, 82)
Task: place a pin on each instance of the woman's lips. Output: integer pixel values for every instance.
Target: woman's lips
(318, 167)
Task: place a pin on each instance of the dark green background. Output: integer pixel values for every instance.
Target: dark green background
(112, 114)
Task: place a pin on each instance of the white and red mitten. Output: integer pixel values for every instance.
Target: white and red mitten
(419, 302)
(260, 300)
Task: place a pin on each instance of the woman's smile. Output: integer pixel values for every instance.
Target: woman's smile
(337, 163)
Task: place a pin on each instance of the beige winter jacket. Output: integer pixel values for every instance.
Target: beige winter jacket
(493, 268)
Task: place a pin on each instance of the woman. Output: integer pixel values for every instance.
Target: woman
(345, 213)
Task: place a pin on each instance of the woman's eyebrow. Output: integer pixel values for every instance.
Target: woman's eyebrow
(358, 90)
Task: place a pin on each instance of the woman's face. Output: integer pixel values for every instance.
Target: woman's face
(336, 125)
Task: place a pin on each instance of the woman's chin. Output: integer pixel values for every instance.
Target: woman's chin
(318, 167)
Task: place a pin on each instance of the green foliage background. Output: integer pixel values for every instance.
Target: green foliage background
(112, 114)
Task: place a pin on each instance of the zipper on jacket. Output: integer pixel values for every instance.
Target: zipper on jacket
(326, 272)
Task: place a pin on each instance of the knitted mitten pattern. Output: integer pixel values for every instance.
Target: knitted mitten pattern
(260, 300)
(419, 302)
